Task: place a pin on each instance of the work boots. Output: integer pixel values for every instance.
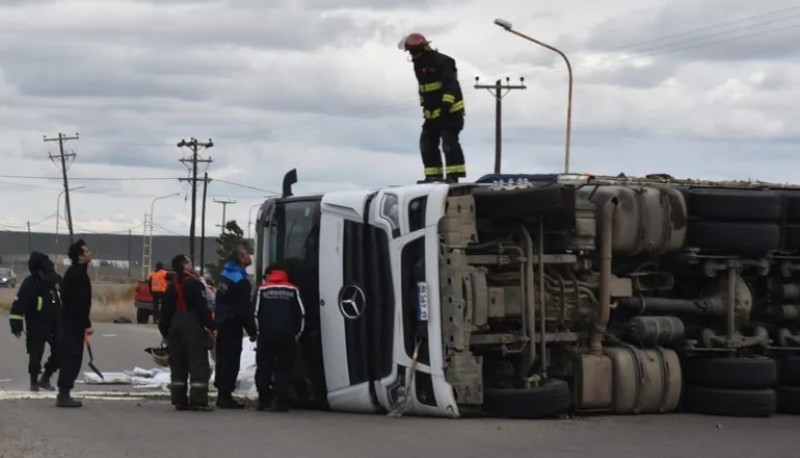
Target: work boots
(44, 382)
(178, 395)
(34, 383)
(198, 396)
(65, 400)
(226, 401)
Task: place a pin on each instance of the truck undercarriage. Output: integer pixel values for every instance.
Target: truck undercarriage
(621, 295)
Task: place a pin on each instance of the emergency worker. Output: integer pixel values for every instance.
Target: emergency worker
(442, 107)
(39, 305)
(232, 313)
(157, 285)
(281, 319)
(187, 326)
(76, 297)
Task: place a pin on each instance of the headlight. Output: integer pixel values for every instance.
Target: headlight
(390, 210)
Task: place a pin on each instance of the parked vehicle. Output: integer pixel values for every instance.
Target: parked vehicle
(531, 296)
(8, 279)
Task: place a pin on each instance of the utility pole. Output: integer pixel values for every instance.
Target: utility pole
(30, 242)
(203, 228)
(224, 206)
(498, 88)
(130, 251)
(194, 160)
(63, 157)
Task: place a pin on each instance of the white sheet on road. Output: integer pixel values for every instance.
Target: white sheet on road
(158, 378)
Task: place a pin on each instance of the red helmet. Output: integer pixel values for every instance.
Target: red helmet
(413, 42)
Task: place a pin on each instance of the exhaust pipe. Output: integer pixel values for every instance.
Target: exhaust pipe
(288, 180)
(606, 241)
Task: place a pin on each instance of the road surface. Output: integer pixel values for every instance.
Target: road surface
(134, 427)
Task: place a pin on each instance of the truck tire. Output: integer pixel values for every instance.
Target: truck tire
(789, 370)
(738, 237)
(791, 241)
(142, 315)
(549, 400)
(734, 204)
(791, 204)
(734, 403)
(518, 203)
(731, 373)
(788, 399)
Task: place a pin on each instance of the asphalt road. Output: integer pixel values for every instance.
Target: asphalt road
(130, 427)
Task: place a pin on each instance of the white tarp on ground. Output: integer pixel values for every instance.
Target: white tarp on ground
(159, 377)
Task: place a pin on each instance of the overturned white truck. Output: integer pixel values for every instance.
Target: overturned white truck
(530, 296)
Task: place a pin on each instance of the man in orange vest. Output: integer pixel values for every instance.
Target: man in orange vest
(157, 286)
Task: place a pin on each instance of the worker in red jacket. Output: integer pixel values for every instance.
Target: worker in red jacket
(443, 109)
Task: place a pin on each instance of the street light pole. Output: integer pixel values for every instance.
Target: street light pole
(250, 218)
(147, 251)
(58, 217)
(507, 25)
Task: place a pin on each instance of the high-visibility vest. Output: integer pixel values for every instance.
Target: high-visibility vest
(159, 281)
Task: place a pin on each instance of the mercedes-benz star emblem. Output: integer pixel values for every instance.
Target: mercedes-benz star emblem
(352, 302)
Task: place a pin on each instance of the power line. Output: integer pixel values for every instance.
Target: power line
(42, 177)
(244, 186)
(498, 115)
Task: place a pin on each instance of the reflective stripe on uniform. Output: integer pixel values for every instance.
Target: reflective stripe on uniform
(456, 169)
(15, 317)
(433, 171)
(39, 304)
(458, 106)
(448, 98)
(421, 99)
(430, 87)
(433, 114)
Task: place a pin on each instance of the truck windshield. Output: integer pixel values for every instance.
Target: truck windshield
(294, 229)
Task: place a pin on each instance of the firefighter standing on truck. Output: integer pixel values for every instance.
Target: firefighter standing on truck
(38, 303)
(281, 318)
(443, 109)
(232, 313)
(157, 285)
(187, 326)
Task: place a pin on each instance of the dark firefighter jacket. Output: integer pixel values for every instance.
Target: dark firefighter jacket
(37, 302)
(76, 295)
(439, 90)
(194, 300)
(279, 307)
(232, 301)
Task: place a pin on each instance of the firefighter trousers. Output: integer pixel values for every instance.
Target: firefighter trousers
(70, 352)
(274, 358)
(445, 130)
(188, 359)
(35, 345)
(157, 299)
(229, 353)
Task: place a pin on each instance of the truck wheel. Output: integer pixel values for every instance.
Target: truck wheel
(142, 315)
(734, 204)
(789, 399)
(732, 373)
(736, 237)
(790, 370)
(549, 400)
(733, 403)
(518, 203)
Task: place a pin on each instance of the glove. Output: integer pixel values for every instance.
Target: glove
(253, 338)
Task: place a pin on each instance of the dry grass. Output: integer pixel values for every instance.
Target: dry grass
(108, 302)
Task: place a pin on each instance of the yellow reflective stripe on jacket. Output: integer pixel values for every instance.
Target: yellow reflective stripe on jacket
(421, 99)
(458, 106)
(448, 98)
(456, 169)
(15, 317)
(430, 87)
(39, 304)
(433, 171)
(432, 114)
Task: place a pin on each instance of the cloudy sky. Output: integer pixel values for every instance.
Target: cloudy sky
(693, 88)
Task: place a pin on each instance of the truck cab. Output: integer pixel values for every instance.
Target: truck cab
(360, 259)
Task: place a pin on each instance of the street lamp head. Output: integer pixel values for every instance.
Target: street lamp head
(503, 23)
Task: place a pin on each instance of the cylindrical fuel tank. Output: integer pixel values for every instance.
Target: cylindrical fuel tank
(645, 380)
(655, 330)
(647, 219)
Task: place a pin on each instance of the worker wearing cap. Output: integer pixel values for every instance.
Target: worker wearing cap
(157, 286)
(442, 107)
(37, 306)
